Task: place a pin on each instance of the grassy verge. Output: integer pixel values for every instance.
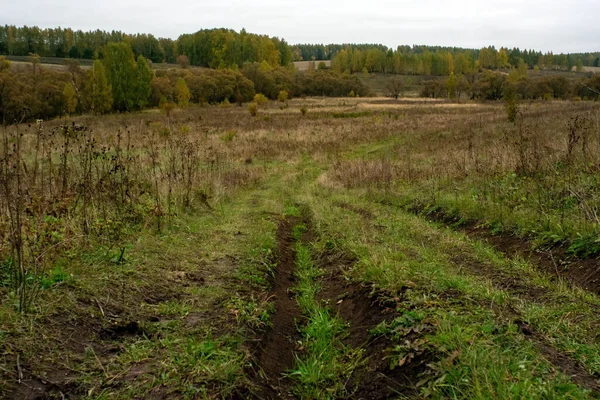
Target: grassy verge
(324, 363)
(172, 319)
(482, 352)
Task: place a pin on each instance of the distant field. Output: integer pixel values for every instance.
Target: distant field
(303, 65)
(58, 63)
(378, 83)
(589, 69)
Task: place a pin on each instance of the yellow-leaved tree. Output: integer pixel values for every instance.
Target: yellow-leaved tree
(182, 92)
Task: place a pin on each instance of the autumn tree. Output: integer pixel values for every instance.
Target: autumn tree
(183, 61)
(451, 86)
(283, 95)
(395, 88)
(182, 92)
(70, 96)
(462, 86)
(98, 89)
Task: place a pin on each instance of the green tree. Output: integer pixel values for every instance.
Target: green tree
(182, 92)
(70, 95)
(143, 82)
(98, 89)
(121, 73)
(451, 86)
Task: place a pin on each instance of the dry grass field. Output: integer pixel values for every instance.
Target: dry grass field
(304, 65)
(322, 249)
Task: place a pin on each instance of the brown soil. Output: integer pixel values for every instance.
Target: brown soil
(584, 273)
(275, 354)
(363, 309)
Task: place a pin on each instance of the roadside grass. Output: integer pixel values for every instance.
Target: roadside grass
(172, 319)
(174, 314)
(481, 352)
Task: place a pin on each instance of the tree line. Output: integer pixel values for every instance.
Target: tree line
(122, 82)
(207, 48)
(445, 61)
(221, 48)
(518, 84)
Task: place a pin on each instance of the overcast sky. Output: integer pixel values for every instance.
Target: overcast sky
(559, 26)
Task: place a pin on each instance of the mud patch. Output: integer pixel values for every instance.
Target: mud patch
(120, 331)
(584, 273)
(38, 389)
(363, 309)
(275, 353)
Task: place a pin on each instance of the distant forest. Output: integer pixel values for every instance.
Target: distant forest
(240, 66)
(224, 48)
(215, 48)
(489, 57)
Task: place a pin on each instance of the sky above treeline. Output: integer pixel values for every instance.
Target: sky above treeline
(546, 25)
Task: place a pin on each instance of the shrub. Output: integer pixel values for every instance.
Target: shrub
(253, 109)
(282, 97)
(260, 99)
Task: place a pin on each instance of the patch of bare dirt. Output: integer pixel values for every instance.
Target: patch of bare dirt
(584, 273)
(275, 353)
(364, 310)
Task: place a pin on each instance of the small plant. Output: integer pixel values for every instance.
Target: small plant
(253, 109)
(512, 107)
(260, 99)
(54, 277)
(303, 111)
(228, 136)
(283, 95)
(225, 104)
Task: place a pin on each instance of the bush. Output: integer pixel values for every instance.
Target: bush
(253, 109)
(260, 99)
(282, 97)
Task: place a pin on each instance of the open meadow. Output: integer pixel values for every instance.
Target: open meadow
(323, 248)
